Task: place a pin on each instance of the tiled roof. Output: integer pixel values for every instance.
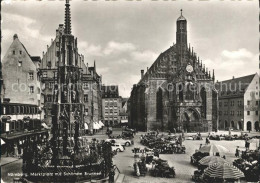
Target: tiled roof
(234, 87)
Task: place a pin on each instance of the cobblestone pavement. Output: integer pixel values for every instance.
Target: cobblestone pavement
(124, 160)
(181, 162)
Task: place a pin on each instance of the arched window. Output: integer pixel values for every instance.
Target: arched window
(14, 110)
(159, 104)
(190, 91)
(226, 125)
(180, 88)
(203, 96)
(249, 126)
(232, 124)
(22, 109)
(257, 126)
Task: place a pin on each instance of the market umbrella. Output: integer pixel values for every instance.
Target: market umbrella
(256, 141)
(207, 160)
(223, 171)
(213, 149)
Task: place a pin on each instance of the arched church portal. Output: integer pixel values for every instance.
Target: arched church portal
(191, 120)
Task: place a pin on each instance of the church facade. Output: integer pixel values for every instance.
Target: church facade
(177, 91)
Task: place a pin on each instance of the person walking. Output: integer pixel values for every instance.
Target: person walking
(207, 141)
(247, 144)
(180, 140)
(237, 152)
(174, 130)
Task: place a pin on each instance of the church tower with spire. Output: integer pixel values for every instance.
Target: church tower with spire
(181, 33)
(184, 99)
(63, 72)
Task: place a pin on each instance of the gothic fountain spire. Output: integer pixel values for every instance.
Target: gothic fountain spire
(213, 76)
(67, 18)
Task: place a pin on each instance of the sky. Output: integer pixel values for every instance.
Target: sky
(125, 36)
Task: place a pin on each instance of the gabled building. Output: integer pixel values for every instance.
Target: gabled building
(20, 75)
(239, 103)
(175, 92)
(111, 105)
(92, 98)
(21, 109)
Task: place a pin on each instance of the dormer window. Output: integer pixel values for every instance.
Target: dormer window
(20, 63)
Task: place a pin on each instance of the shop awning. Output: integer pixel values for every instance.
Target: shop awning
(2, 142)
(26, 118)
(6, 118)
(86, 126)
(101, 124)
(45, 126)
(95, 126)
(124, 121)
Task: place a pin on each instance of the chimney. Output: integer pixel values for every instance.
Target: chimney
(233, 77)
(142, 74)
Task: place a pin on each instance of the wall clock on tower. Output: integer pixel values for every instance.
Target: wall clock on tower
(189, 68)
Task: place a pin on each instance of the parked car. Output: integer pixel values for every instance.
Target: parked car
(123, 142)
(117, 147)
(197, 156)
(127, 134)
(129, 129)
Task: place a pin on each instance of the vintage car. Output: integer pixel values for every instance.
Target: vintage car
(127, 134)
(162, 169)
(117, 147)
(197, 156)
(123, 142)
